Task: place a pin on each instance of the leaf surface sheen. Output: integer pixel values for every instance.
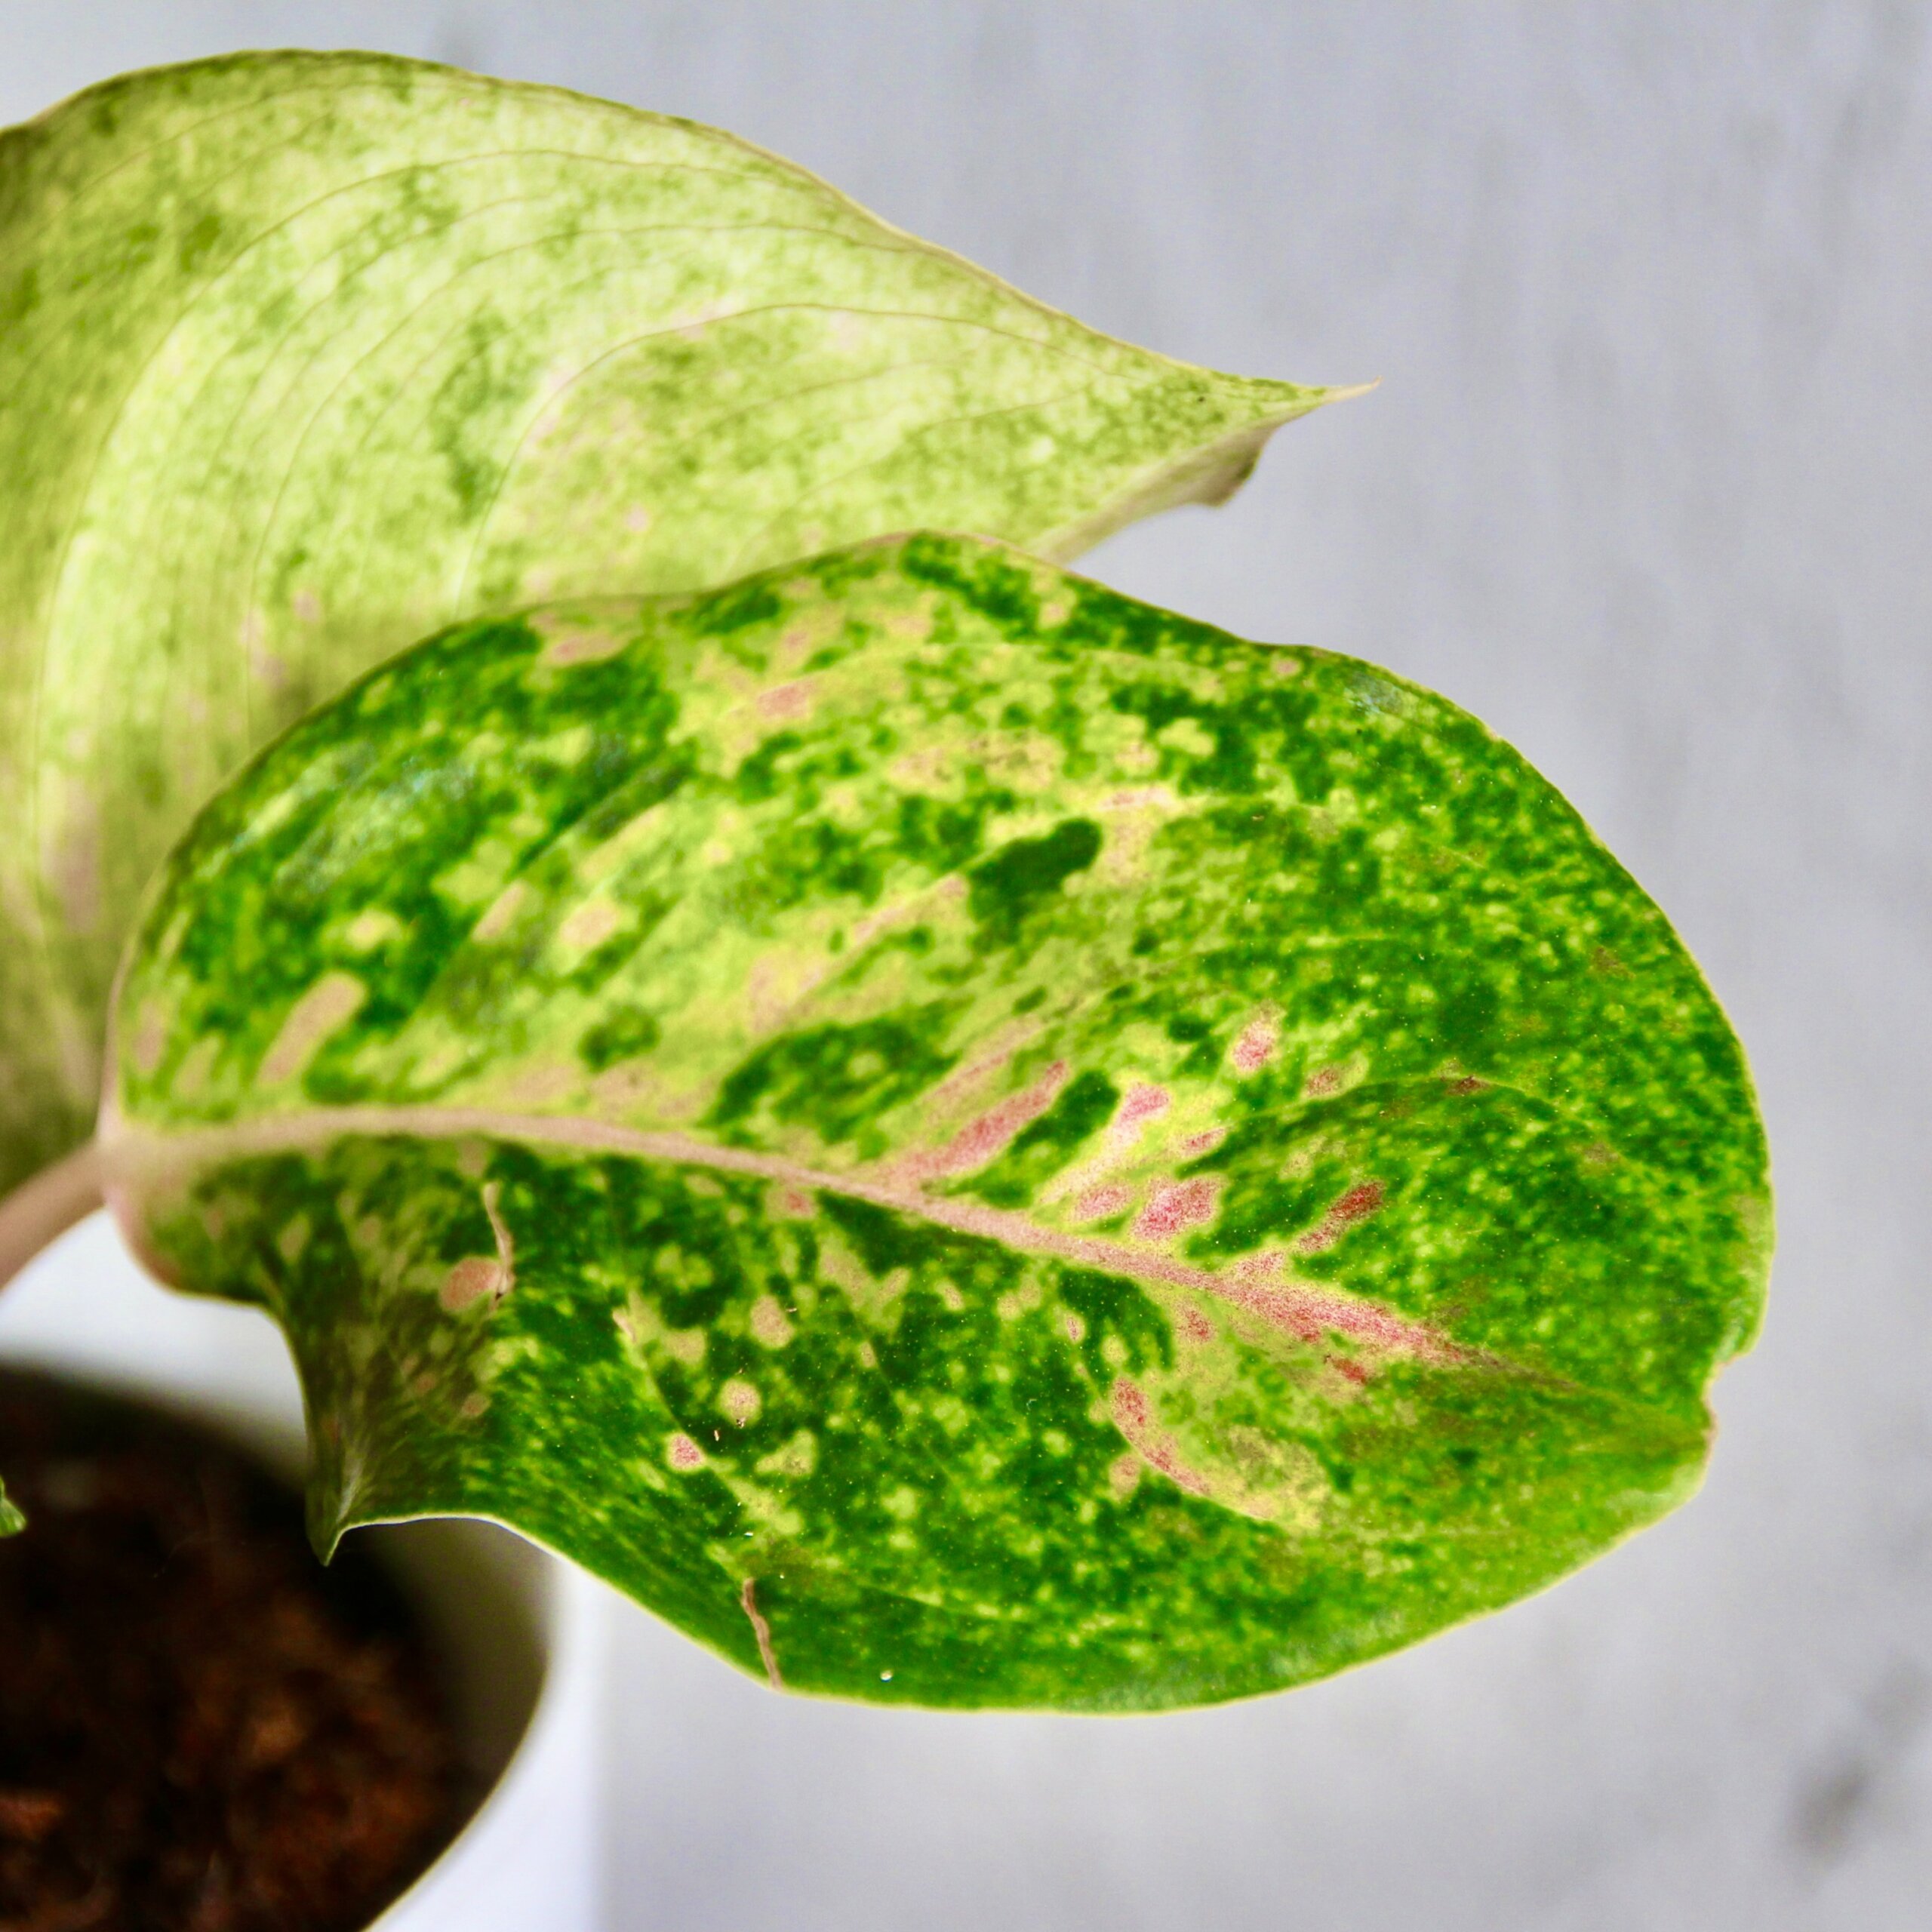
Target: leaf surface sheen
(965, 1139)
(303, 355)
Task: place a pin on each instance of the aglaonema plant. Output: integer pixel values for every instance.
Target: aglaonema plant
(965, 1139)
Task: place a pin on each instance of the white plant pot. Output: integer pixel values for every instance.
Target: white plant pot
(521, 1631)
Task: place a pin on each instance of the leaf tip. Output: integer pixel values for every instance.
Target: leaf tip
(1349, 393)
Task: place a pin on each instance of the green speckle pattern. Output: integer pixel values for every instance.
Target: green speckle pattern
(303, 355)
(965, 1139)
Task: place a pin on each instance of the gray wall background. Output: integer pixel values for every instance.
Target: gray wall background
(1646, 486)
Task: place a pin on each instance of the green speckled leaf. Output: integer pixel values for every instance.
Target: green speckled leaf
(962, 1138)
(302, 355)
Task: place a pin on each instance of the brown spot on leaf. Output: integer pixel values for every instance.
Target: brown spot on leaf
(789, 1204)
(761, 1630)
(499, 1228)
(683, 1454)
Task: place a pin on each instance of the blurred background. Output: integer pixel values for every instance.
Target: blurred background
(1646, 486)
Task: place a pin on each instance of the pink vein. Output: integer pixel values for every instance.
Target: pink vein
(131, 1154)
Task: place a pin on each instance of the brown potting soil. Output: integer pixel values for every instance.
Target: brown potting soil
(202, 1729)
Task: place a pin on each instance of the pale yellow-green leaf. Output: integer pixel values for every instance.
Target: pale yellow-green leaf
(302, 355)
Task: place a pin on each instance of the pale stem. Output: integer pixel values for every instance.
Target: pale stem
(47, 1205)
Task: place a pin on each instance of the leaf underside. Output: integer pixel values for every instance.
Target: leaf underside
(303, 355)
(964, 1138)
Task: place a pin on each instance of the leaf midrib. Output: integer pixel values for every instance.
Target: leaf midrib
(134, 1154)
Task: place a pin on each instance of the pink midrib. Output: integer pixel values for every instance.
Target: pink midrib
(131, 1154)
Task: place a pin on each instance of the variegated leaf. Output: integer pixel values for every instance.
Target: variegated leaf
(302, 355)
(963, 1138)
